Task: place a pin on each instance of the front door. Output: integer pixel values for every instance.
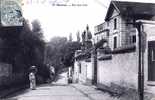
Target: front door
(151, 61)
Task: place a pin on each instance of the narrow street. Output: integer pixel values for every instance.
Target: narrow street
(60, 90)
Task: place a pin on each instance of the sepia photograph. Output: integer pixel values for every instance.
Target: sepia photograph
(77, 49)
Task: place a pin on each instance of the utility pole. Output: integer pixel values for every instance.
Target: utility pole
(141, 63)
(95, 65)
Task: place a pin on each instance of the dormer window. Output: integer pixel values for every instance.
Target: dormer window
(115, 23)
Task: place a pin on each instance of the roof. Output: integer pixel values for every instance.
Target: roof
(136, 8)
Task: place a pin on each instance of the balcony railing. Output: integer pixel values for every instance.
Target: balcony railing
(102, 27)
(126, 44)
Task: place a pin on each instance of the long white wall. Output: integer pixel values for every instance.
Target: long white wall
(86, 71)
(122, 70)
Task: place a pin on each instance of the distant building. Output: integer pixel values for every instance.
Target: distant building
(83, 63)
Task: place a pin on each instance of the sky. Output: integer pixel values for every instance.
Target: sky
(63, 20)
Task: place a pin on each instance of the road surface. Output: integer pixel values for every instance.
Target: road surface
(60, 90)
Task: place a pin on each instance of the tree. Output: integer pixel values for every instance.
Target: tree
(70, 37)
(78, 36)
(31, 50)
(36, 29)
(83, 37)
(69, 51)
(55, 52)
(60, 52)
(32, 45)
(23, 47)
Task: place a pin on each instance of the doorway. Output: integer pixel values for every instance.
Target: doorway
(151, 61)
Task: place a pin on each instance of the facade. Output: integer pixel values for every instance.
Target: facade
(83, 65)
(121, 69)
(101, 32)
(117, 62)
(83, 71)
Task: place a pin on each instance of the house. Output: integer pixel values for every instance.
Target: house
(120, 66)
(117, 47)
(101, 32)
(118, 21)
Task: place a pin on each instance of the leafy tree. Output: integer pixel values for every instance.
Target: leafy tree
(78, 36)
(36, 29)
(70, 37)
(55, 52)
(23, 48)
(70, 48)
(32, 45)
(60, 52)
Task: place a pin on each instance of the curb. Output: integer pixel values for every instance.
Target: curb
(85, 94)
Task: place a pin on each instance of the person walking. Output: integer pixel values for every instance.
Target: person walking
(52, 73)
(32, 77)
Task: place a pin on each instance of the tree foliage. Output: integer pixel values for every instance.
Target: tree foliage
(60, 52)
(68, 57)
(24, 48)
(54, 51)
(70, 37)
(32, 45)
(78, 36)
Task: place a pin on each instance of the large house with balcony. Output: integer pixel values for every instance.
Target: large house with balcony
(120, 67)
(118, 27)
(101, 32)
(116, 59)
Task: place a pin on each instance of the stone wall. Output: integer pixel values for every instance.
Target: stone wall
(9, 79)
(83, 75)
(5, 69)
(76, 72)
(5, 73)
(122, 70)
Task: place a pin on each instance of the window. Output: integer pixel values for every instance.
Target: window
(79, 67)
(153, 55)
(115, 42)
(133, 39)
(100, 27)
(108, 33)
(115, 23)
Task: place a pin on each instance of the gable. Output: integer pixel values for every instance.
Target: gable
(112, 11)
(138, 10)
